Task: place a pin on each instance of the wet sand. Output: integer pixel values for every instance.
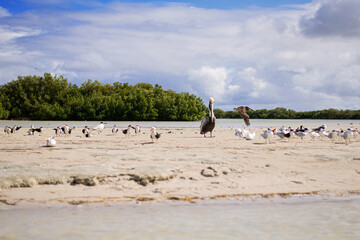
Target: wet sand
(182, 165)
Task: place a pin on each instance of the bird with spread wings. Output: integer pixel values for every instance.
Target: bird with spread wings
(242, 112)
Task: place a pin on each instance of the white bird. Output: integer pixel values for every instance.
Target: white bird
(267, 135)
(250, 136)
(323, 134)
(100, 127)
(301, 134)
(245, 134)
(50, 142)
(314, 135)
(154, 135)
(241, 133)
(348, 135)
(333, 135)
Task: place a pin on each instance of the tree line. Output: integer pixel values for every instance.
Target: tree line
(51, 97)
(283, 113)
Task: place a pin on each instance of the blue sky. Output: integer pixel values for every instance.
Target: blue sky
(297, 54)
(16, 6)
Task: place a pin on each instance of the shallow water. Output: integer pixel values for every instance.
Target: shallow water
(220, 123)
(230, 219)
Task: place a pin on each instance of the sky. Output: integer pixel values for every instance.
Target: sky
(297, 54)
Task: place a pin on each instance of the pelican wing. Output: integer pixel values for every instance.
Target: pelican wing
(244, 115)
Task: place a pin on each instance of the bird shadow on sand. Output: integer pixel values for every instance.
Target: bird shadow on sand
(147, 143)
(257, 143)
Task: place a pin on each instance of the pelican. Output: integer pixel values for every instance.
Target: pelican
(242, 112)
(154, 135)
(100, 127)
(208, 123)
(50, 142)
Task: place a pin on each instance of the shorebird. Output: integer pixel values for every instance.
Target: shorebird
(154, 135)
(267, 135)
(58, 131)
(50, 142)
(127, 131)
(208, 123)
(245, 134)
(137, 129)
(7, 130)
(242, 112)
(241, 133)
(348, 135)
(86, 130)
(115, 129)
(314, 135)
(100, 127)
(333, 135)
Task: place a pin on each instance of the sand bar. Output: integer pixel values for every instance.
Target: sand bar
(182, 165)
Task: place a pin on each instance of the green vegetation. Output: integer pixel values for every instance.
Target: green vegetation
(283, 113)
(54, 98)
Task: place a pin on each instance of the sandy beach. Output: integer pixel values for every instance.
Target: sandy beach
(182, 165)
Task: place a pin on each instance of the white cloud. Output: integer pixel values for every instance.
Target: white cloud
(211, 82)
(258, 57)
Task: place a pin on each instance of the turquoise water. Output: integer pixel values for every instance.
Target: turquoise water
(230, 219)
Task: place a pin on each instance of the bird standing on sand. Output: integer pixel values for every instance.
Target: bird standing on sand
(154, 135)
(115, 129)
(348, 135)
(267, 135)
(208, 123)
(127, 131)
(100, 127)
(50, 142)
(137, 129)
(242, 112)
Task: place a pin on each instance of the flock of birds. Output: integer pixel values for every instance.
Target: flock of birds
(207, 126)
(66, 131)
(302, 132)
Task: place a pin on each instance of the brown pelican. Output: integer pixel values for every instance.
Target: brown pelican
(208, 123)
(242, 112)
